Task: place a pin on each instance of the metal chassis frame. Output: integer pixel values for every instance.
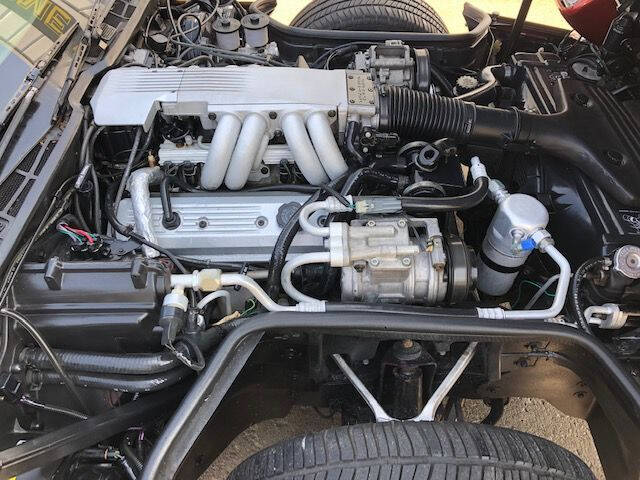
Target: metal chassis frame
(51, 447)
(615, 419)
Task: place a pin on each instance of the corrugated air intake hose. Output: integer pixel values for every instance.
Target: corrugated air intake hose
(419, 115)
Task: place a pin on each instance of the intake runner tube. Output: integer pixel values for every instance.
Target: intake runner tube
(303, 151)
(325, 145)
(247, 147)
(220, 151)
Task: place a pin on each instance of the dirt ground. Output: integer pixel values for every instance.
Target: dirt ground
(524, 414)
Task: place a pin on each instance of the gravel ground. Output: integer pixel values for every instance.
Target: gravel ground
(525, 414)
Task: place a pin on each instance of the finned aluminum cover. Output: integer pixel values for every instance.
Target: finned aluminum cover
(133, 95)
(227, 227)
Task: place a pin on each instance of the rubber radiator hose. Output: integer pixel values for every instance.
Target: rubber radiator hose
(123, 363)
(121, 383)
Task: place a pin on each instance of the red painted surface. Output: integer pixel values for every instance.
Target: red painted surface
(590, 18)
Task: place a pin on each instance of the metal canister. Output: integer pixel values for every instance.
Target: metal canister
(507, 243)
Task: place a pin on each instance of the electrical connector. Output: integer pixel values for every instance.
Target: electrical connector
(377, 205)
(173, 315)
(477, 170)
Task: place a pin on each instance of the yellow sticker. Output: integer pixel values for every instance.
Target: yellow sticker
(45, 15)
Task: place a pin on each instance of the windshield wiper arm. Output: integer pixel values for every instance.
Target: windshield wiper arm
(28, 90)
(34, 78)
(97, 14)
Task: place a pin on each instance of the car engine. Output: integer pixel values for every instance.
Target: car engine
(378, 178)
(227, 167)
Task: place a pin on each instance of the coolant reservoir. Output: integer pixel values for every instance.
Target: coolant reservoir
(590, 18)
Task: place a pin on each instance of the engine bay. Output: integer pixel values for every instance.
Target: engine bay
(218, 163)
(225, 170)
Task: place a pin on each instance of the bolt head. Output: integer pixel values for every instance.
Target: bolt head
(407, 343)
(581, 99)
(371, 223)
(406, 261)
(614, 157)
(374, 262)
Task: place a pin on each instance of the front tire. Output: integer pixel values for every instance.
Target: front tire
(371, 15)
(414, 451)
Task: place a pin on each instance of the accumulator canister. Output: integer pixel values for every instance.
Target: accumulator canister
(508, 243)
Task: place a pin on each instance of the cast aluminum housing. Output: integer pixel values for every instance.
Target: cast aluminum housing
(227, 227)
(133, 96)
(392, 277)
(169, 153)
(246, 106)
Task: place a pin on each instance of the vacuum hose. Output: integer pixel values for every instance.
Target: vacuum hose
(448, 204)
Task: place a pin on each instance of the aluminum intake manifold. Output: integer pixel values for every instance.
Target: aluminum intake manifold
(246, 106)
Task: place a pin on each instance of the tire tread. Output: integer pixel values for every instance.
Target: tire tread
(414, 451)
(379, 15)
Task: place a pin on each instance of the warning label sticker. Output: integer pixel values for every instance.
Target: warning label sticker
(630, 221)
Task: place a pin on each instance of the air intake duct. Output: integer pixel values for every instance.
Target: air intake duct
(420, 115)
(590, 130)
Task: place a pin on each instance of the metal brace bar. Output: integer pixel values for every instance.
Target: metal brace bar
(428, 413)
(376, 408)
